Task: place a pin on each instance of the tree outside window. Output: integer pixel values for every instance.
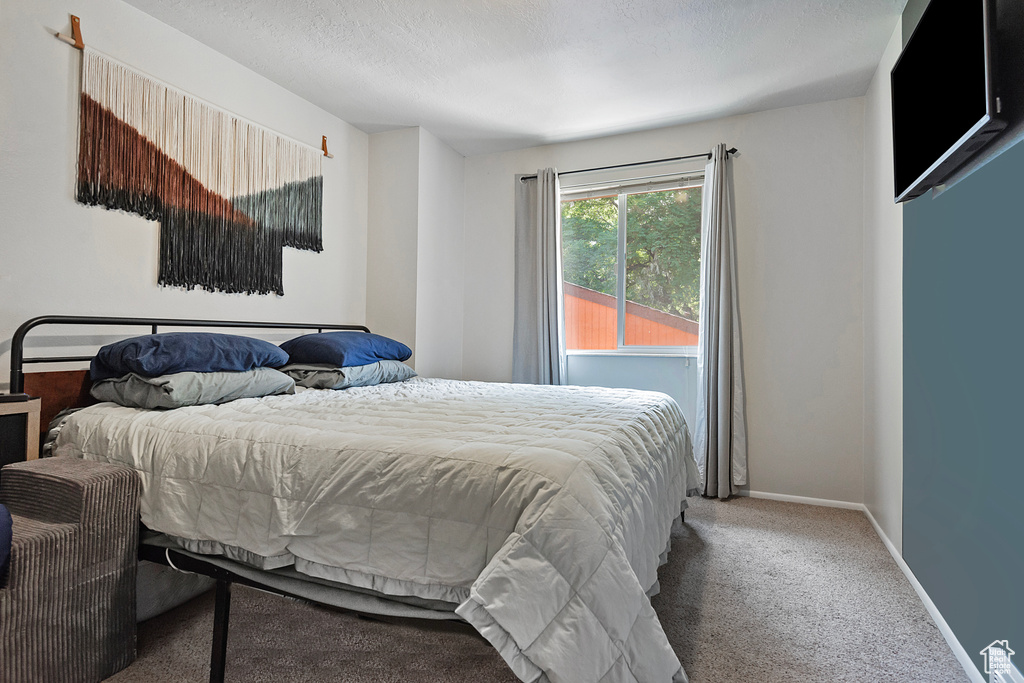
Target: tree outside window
(650, 239)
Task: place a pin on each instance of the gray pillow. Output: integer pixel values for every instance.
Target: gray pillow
(328, 377)
(191, 388)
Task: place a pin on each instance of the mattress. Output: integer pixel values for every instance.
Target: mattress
(541, 511)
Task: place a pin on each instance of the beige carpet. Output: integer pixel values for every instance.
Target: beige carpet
(757, 590)
(754, 590)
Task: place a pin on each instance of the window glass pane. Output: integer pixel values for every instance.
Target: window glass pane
(663, 267)
(589, 245)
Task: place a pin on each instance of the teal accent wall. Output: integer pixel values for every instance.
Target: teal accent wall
(963, 383)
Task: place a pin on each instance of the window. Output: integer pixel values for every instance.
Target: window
(631, 265)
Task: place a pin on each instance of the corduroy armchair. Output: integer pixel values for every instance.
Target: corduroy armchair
(67, 610)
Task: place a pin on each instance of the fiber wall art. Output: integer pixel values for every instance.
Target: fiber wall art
(228, 194)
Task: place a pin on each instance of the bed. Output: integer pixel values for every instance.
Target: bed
(537, 514)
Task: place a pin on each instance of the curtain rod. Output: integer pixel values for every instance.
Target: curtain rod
(706, 155)
(682, 175)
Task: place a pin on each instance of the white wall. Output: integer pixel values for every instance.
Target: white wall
(799, 210)
(883, 309)
(392, 239)
(414, 276)
(673, 375)
(439, 275)
(57, 256)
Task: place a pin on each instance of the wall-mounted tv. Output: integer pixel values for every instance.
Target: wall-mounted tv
(944, 106)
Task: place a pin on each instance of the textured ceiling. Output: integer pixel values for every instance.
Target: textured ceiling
(491, 75)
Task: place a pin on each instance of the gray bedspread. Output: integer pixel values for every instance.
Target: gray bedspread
(541, 511)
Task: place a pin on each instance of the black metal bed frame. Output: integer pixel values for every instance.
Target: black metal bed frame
(168, 556)
(224, 578)
(18, 360)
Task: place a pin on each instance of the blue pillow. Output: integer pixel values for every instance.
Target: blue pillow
(344, 349)
(6, 536)
(154, 355)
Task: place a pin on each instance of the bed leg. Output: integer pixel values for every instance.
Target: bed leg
(221, 612)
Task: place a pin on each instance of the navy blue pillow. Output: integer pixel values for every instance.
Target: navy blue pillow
(344, 349)
(163, 354)
(5, 542)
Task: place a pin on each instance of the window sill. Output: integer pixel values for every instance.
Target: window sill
(682, 353)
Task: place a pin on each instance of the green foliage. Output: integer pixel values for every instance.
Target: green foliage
(589, 242)
(663, 251)
(662, 248)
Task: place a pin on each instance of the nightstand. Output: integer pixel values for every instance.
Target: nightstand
(19, 431)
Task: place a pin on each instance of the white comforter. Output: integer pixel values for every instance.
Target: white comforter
(541, 511)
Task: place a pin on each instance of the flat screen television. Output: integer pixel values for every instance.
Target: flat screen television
(944, 105)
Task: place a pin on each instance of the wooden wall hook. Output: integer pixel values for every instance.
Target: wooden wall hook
(76, 31)
(75, 38)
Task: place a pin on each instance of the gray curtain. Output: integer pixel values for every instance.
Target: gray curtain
(538, 340)
(721, 431)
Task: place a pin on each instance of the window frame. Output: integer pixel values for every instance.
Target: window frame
(621, 191)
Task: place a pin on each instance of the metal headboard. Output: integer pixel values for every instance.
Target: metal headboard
(18, 360)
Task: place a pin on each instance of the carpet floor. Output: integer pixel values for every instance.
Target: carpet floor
(754, 590)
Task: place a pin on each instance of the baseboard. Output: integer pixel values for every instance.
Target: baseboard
(786, 498)
(958, 650)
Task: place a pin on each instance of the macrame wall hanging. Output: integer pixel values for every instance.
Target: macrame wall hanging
(228, 194)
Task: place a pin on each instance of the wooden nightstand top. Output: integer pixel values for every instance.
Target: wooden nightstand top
(20, 407)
